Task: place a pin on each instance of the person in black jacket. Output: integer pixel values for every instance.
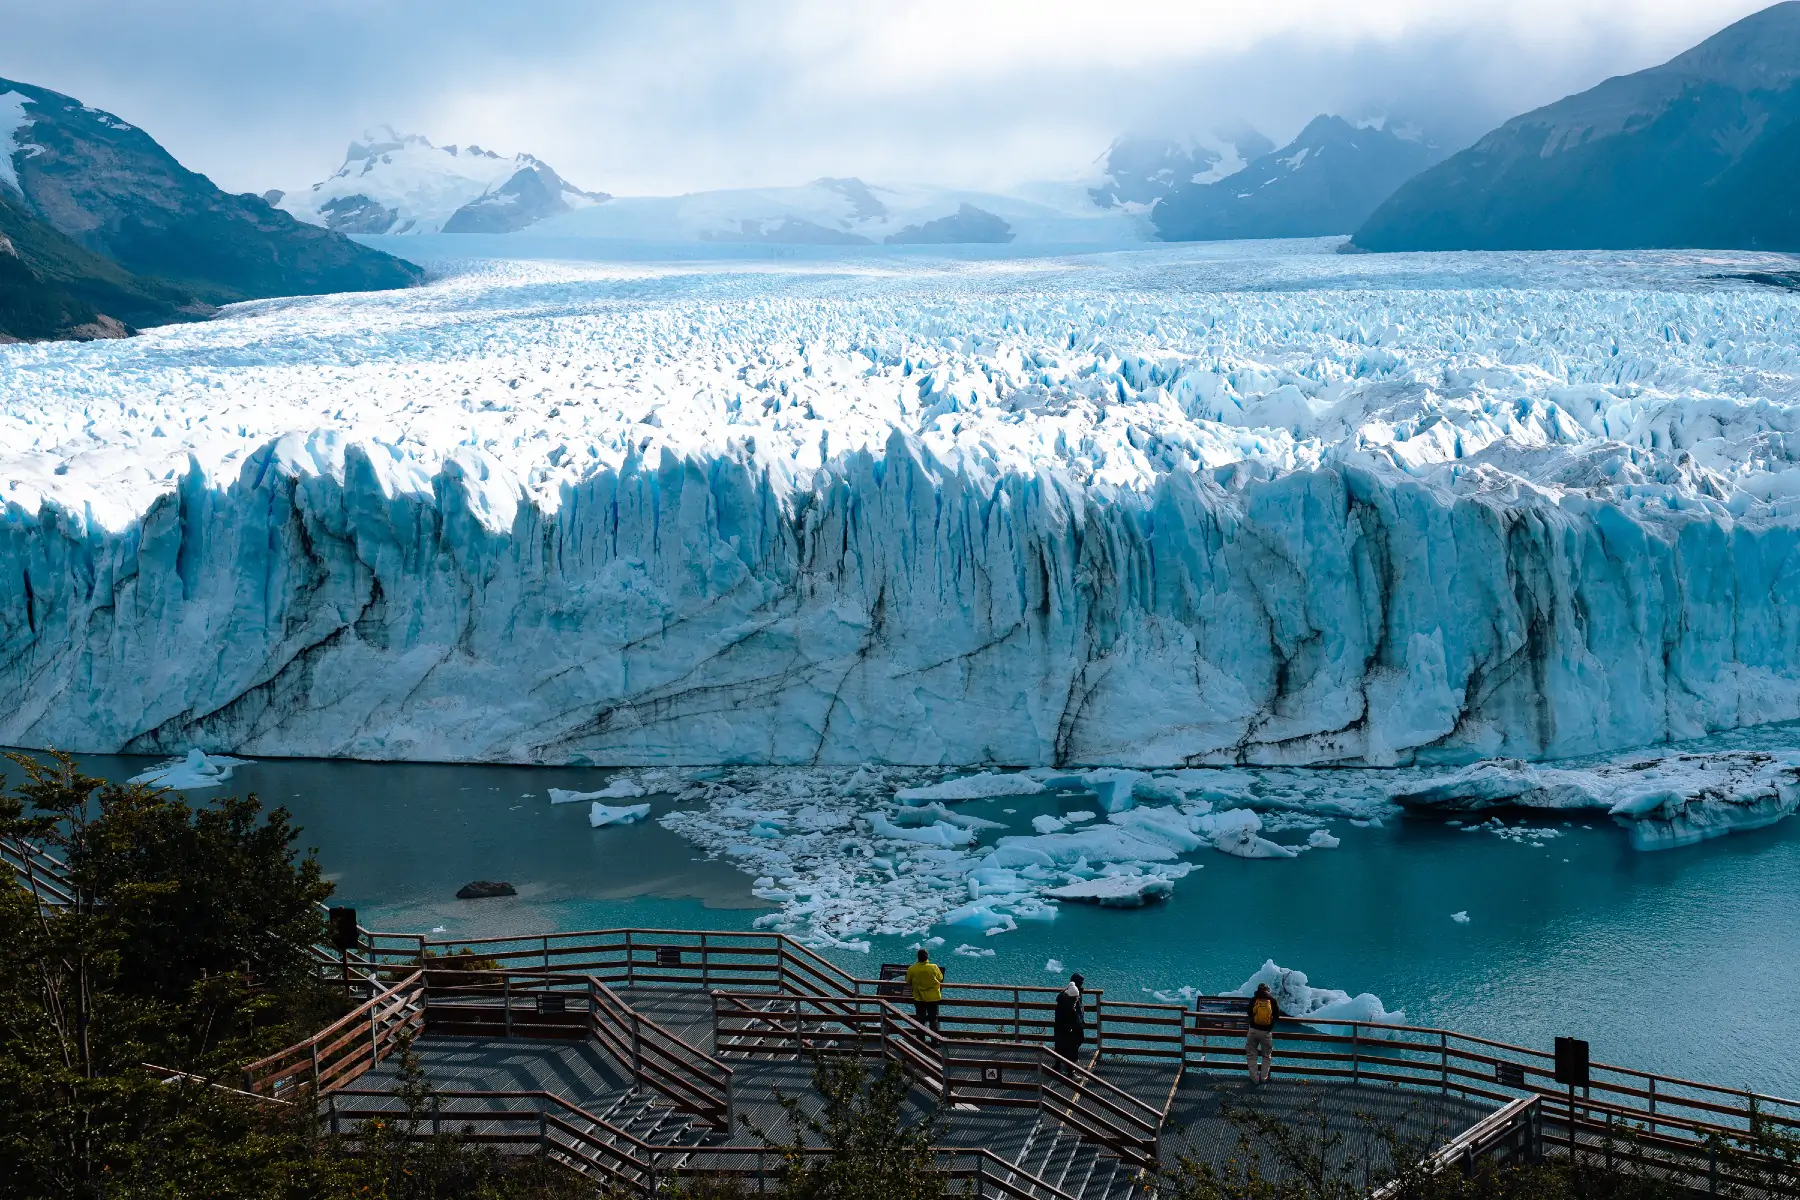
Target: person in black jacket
(1070, 1020)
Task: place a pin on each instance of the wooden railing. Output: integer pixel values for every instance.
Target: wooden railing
(38, 871)
(1510, 1134)
(689, 1078)
(988, 1073)
(345, 1049)
(608, 1154)
(1683, 1121)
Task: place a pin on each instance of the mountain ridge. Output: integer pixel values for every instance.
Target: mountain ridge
(1696, 151)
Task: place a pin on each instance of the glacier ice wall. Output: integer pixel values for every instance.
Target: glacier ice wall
(1178, 511)
(893, 610)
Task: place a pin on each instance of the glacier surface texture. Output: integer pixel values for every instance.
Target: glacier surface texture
(1207, 505)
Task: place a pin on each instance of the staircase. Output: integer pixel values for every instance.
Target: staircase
(1056, 1156)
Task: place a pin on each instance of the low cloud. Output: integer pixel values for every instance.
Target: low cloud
(679, 96)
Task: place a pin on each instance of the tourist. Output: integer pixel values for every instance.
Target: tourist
(1070, 1021)
(927, 980)
(1260, 1016)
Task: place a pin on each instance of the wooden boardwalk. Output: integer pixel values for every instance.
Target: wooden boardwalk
(488, 1074)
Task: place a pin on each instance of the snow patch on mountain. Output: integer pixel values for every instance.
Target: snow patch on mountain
(13, 119)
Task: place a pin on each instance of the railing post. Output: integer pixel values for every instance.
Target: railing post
(331, 1110)
(506, 1002)
(421, 952)
(630, 962)
(637, 1052)
(543, 1133)
(315, 1070)
(1652, 1106)
(705, 963)
(1444, 1068)
(546, 952)
(1355, 1054)
(437, 1106)
(374, 1036)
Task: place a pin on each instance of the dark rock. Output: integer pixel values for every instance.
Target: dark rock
(967, 224)
(483, 889)
(1326, 181)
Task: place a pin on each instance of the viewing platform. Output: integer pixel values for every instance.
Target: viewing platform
(635, 1056)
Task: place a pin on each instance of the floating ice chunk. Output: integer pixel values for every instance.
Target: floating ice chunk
(937, 812)
(1170, 826)
(1462, 918)
(1048, 824)
(1320, 839)
(1235, 832)
(1115, 891)
(194, 772)
(1099, 843)
(968, 951)
(1299, 999)
(622, 788)
(602, 814)
(981, 915)
(1078, 816)
(972, 787)
(1054, 966)
(938, 833)
(1115, 787)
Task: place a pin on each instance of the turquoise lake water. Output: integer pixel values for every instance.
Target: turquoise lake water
(1685, 962)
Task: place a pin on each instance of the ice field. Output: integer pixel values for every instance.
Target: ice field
(1244, 504)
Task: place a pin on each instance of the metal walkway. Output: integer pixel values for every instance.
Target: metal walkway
(630, 1055)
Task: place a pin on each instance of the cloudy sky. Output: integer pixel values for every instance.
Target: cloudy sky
(659, 96)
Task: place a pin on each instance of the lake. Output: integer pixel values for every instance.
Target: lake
(1685, 962)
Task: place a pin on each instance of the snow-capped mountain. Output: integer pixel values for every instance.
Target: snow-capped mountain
(1699, 151)
(1142, 170)
(850, 212)
(1326, 181)
(401, 183)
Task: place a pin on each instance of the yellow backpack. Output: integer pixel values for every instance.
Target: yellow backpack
(1262, 1012)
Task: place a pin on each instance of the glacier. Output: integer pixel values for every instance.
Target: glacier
(1168, 508)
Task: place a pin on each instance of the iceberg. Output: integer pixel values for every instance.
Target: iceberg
(601, 814)
(622, 788)
(972, 787)
(195, 771)
(1300, 1000)
(1115, 891)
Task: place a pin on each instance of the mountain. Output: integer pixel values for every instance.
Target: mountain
(1700, 151)
(849, 212)
(109, 188)
(51, 287)
(401, 183)
(1327, 180)
(1142, 170)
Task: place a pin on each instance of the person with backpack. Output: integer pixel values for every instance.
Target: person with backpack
(1071, 1021)
(1260, 1016)
(926, 979)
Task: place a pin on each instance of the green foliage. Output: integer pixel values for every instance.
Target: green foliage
(858, 1145)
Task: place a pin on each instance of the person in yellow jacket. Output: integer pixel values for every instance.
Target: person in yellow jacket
(927, 980)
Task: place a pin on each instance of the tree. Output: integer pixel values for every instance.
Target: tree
(179, 937)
